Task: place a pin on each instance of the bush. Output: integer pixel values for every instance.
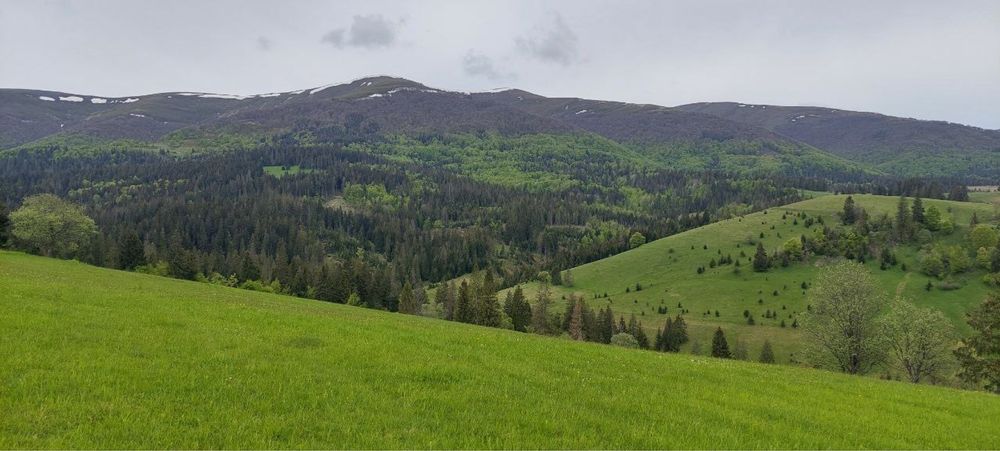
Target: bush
(624, 340)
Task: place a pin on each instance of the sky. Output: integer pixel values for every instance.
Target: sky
(925, 59)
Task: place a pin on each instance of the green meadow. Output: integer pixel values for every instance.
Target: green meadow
(666, 269)
(97, 358)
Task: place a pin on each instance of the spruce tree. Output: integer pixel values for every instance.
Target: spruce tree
(325, 289)
(766, 353)
(463, 303)
(917, 211)
(607, 325)
(540, 313)
(130, 251)
(850, 214)
(445, 297)
(4, 225)
(760, 260)
(575, 328)
(518, 309)
(407, 301)
(720, 348)
(977, 355)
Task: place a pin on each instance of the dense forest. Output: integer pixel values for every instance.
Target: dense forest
(376, 212)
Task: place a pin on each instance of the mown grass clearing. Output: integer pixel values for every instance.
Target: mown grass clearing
(96, 358)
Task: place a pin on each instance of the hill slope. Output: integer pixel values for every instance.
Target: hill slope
(896, 145)
(666, 270)
(95, 358)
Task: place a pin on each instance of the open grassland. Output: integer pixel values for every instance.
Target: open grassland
(666, 270)
(96, 358)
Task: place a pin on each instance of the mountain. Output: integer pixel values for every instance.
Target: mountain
(97, 358)
(900, 146)
(733, 137)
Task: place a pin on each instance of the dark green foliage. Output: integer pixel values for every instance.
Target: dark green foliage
(517, 309)
(760, 260)
(850, 213)
(407, 301)
(130, 251)
(4, 225)
(766, 352)
(917, 211)
(720, 348)
(979, 354)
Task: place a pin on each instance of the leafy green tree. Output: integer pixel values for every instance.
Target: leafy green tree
(932, 219)
(760, 260)
(919, 339)
(624, 340)
(130, 251)
(983, 236)
(766, 353)
(407, 301)
(51, 226)
(841, 329)
(793, 248)
(979, 354)
(637, 239)
(720, 348)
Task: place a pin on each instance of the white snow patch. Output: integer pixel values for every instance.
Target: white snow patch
(741, 105)
(71, 98)
(136, 115)
(273, 94)
(580, 112)
(222, 96)
(46, 98)
(98, 100)
(298, 92)
(130, 100)
(315, 90)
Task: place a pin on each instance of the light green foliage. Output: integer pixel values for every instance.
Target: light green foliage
(624, 340)
(983, 236)
(636, 240)
(932, 218)
(52, 226)
(841, 329)
(920, 341)
(666, 270)
(370, 196)
(95, 358)
(282, 171)
(793, 247)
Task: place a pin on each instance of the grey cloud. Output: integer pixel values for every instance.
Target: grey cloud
(554, 43)
(479, 65)
(371, 31)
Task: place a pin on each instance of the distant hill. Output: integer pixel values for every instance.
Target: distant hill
(896, 145)
(97, 358)
(666, 269)
(726, 136)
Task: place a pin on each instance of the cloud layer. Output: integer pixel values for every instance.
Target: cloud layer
(371, 31)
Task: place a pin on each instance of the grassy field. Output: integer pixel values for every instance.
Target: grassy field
(666, 269)
(96, 358)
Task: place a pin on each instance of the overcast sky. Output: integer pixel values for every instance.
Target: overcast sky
(929, 60)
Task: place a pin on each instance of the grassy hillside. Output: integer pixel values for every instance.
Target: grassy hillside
(666, 269)
(95, 358)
